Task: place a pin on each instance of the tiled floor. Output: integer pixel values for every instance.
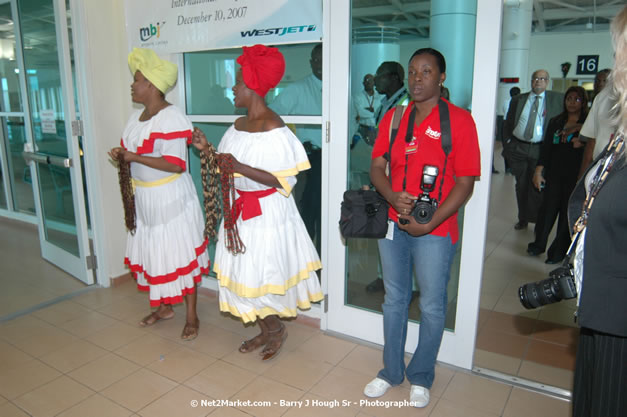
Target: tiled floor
(538, 344)
(86, 356)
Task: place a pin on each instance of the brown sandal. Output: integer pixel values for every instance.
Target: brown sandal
(190, 331)
(152, 318)
(279, 335)
(252, 344)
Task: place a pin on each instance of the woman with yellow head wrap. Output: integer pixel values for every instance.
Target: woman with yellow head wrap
(276, 274)
(166, 250)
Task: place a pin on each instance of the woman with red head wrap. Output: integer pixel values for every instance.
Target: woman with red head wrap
(275, 274)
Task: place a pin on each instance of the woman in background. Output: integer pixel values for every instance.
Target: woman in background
(557, 171)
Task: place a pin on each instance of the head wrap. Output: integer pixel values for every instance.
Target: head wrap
(161, 73)
(262, 67)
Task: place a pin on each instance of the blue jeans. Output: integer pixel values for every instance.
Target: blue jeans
(431, 258)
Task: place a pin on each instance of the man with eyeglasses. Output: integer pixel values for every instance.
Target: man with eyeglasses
(524, 128)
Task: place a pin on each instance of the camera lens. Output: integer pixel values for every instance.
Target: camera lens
(548, 291)
(423, 212)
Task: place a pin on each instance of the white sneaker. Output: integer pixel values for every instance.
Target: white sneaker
(419, 396)
(376, 388)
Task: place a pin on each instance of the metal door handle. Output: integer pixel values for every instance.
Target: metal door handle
(43, 158)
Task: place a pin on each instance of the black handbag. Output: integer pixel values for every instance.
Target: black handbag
(364, 213)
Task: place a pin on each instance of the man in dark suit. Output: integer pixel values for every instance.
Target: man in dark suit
(523, 130)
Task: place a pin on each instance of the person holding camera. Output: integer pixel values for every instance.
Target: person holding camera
(598, 215)
(421, 238)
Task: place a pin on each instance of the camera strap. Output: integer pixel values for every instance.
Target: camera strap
(445, 138)
(604, 167)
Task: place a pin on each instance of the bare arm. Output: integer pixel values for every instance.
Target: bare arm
(121, 154)
(199, 140)
(402, 201)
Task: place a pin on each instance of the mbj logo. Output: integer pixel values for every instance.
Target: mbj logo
(148, 32)
(279, 31)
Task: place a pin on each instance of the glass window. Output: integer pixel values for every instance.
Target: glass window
(11, 100)
(13, 137)
(210, 76)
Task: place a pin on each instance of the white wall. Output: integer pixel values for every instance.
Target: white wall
(104, 51)
(549, 51)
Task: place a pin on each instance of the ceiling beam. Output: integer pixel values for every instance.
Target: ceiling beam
(385, 10)
(566, 5)
(538, 12)
(560, 14)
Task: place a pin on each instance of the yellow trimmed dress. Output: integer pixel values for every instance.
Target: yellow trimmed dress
(276, 274)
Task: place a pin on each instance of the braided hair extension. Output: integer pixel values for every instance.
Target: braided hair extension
(128, 196)
(209, 176)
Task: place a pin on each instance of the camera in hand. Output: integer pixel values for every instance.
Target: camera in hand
(559, 286)
(425, 206)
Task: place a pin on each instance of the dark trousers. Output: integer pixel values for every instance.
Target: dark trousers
(554, 204)
(523, 158)
(309, 204)
(600, 375)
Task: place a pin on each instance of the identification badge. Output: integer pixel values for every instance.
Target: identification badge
(390, 234)
(412, 146)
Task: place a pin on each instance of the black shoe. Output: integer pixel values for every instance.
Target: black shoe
(533, 250)
(552, 261)
(375, 286)
(520, 225)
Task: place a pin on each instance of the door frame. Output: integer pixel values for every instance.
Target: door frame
(76, 266)
(458, 345)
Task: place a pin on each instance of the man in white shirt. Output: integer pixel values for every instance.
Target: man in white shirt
(526, 121)
(304, 97)
(364, 104)
(598, 129)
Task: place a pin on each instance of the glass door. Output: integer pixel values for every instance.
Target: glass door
(54, 152)
(355, 293)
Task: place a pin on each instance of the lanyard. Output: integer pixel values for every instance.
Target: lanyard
(605, 166)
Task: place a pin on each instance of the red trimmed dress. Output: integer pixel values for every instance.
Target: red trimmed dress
(276, 274)
(167, 254)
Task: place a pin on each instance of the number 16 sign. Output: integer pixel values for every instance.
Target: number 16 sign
(587, 64)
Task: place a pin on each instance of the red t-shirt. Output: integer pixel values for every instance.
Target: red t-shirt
(425, 149)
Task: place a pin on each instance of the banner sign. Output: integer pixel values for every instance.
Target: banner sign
(172, 26)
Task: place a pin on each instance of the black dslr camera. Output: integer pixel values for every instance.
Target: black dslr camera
(560, 285)
(425, 206)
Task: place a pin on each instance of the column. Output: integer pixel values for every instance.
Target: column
(452, 31)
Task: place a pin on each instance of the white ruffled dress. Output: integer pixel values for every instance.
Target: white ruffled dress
(276, 274)
(167, 254)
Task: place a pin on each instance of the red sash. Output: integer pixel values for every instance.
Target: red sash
(248, 205)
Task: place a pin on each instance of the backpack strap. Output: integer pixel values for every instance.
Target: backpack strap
(399, 112)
